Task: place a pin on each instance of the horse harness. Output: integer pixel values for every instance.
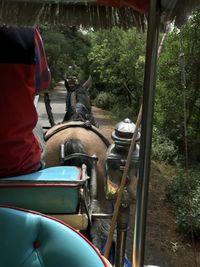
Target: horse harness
(76, 124)
(75, 109)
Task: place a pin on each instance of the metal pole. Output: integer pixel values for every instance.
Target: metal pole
(146, 134)
(122, 228)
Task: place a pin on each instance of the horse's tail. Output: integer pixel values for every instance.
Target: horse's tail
(72, 146)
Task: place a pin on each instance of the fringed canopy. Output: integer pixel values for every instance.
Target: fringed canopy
(95, 13)
(35, 12)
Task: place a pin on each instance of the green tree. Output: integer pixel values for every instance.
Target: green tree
(66, 47)
(117, 61)
(169, 102)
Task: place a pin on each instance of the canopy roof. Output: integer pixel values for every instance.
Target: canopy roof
(96, 13)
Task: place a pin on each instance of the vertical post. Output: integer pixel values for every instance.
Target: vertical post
(146, 134)
(183, 82)
(122, 228)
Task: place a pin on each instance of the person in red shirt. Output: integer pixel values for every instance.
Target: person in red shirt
(24, 73)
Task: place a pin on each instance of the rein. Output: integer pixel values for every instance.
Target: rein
(75, 124)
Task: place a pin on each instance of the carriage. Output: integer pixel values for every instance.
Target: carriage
(69, 193)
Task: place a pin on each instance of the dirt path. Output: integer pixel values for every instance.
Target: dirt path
(105, 124)
(166, 246)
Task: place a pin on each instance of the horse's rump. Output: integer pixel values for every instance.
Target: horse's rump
(91, 141)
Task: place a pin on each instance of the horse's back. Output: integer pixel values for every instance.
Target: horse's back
(58, 134)
(93, 143)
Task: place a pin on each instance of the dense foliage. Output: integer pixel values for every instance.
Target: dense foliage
(117, 65)
(170, 91)
(67, 50)
(184, 195)
(163, 149)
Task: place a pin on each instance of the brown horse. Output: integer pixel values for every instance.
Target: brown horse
(78, 103)
(80, 136)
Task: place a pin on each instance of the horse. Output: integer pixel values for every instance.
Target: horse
(79, 134)
(78, 103)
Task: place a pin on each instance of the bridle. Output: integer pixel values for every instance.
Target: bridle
(76, 110)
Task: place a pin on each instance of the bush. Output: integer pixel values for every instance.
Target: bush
(163, 149)
(120, 112)
(104, 100)
(184, 194)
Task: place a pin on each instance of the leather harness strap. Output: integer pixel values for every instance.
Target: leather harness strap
(74, 124)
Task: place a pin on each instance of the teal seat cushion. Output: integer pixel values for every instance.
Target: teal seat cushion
(51, 190)
(31, 239)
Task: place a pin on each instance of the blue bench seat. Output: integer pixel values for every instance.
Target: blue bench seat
(30, 239)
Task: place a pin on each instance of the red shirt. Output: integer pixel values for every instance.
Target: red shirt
(19, 150)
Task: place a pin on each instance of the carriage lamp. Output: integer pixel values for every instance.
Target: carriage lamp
(117, 156)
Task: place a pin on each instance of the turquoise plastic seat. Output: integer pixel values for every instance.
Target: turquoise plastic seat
(58, 173)
(51, 190)
(30, 239)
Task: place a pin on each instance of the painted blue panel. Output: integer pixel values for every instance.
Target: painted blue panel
(60, 173)
(45, 197)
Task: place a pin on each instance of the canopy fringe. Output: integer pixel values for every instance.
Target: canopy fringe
(32, 13)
